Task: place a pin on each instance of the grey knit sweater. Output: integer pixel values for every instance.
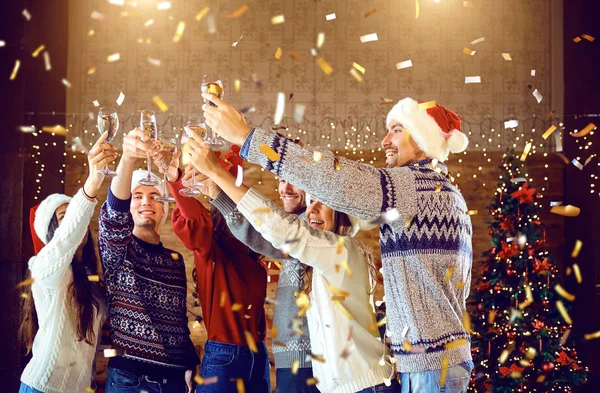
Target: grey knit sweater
(431, 238)
(297, 346)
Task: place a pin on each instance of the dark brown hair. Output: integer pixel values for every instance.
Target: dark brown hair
(80, 295)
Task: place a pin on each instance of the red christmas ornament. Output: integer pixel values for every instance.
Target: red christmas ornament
(525, 195)
(497, 287)
(547, 366)
(511, 335)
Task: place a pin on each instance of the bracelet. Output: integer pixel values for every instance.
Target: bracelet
(86, 195)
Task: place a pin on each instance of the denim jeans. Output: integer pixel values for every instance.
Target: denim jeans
(290, 383)
(393, 388)
(121, 381)
(27, 389)
(229, 363)
(457, 380)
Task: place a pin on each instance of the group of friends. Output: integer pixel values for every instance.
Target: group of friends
(325, 335)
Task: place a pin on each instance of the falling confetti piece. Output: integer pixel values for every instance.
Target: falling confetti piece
(491, 316)
(149, 22)
(325, 67)
(587, 161)
(562, 292)
(565, 336)
(318, 358)
(120, 99)
(537, 95)
(163, 5)
(205, 381)
(404, 64)
(96, 103)
(532, 72)
(371, 12)
(472, 212)
(577, 164)
(202, 13)
(577, 273)
(239, 384)
(97, 16)
(472, 79)
(27, 129)
(359, 67)
(295, 366)
(588, 37)
(511, 124)
(317, 156)
(117, 2)
(279, 109)
(179, 31)
(506, 56)
(278, 53)
(88, 389)
(566, 210)
(478, 40)
(337, 291)
(91, 32)
(212, 24)
(312, 381)
(338, 298)
(236, 307)
(94, 278)
(456, 344)
(297, 56)
(237, 84)
(563, 312)
(526, 151)
(47, 61)
(299, 113)
(469, 52)
(592, 336)
(2, 43)
(427, 105)
(330, 16)
(340, 245)
(24, 283)
(549, 132)
(576, 40)
(240, 11)
(503, 356)
(235, 44)
(160, 103)
(408, 221)
(276, 20)
(344, 264)
(444, 372)
(91, 70)
(269, 152)
(26, 14)
(586, 130)
(369, 37)
(449, 273)
(466, 320)
(518, 180)
(336, 164)
(110, 353)
(113, 57)
(154, 62)
(15, 70)
(356, 75)
(38, 50)
(417, 9)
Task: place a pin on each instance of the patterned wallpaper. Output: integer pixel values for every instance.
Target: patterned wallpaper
(434, 42)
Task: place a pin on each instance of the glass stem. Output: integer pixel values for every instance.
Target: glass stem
(194, 176)
(165, 184)
(148, 176)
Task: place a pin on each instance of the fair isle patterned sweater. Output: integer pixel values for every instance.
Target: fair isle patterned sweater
(146, 293)
(432, 235)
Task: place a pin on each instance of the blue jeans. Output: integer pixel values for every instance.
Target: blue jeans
(121, 381)
(457, 380)
(290, 383)
(393, 388)
(230, 362)
(27, 389)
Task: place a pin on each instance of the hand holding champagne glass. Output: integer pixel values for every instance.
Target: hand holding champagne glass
(150, 130)
(212, 84)
(166, 152)
(108, 122)
(194, 126)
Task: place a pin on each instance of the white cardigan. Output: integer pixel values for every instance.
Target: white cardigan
(328, 324)
(60, 363)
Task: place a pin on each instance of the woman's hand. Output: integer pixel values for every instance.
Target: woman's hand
(98, 158)
(134, 147)
(203, 159)
(208, 188)
(172, 171)
(225, 120)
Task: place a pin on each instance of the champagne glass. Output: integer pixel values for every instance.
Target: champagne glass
(108, 121)
(150, 130)
(166, 146)
(211, 83)
(193, 125)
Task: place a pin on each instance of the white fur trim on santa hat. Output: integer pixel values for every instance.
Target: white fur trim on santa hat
(425, 131)
(140, 174)
(44, 214)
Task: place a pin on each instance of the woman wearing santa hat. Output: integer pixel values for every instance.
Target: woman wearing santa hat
(64, 308)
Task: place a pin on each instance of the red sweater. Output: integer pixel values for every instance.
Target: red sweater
(226, 276)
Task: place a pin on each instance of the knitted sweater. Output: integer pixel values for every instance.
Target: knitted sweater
(146, 293)
(432, 235)
(60, 363)
(289, 344)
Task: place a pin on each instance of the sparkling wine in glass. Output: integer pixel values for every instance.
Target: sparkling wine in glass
(196, 126)
(166, 147)
(150, 130)
(211, 83)
(108, 121)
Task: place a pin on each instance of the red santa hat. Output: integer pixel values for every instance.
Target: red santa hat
(40, 217)
(435, 130)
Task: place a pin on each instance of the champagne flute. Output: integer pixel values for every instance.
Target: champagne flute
(211, 83)
(166, 146)
(150, 130)
(108, 121)
(193, 125)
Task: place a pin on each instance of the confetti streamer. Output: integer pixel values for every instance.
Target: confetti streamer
(312, 381)
(449, 273)
(24, 283)
(325, 67)
(472, 79)
(549, 132)
(91, 70)
(537, 95)
(96, 103)
(299, 113)
(588, 37)
(202, 13)
(469, 52)
(562, 292)
(212, 24)
(97, 16)
(478, 40)
(532, 72)
(526, 151)
(270, 153)
(586, 130)
(66, 83)
(160, 103)
(563, 312)
(278, 53)
(417, 9)
(427, 105)
(577, 164)
(566, 210)
(356, 75)
(456, 344)
(506, 56)
(179, 31)
(404, 64)
(26, 14)
(371, 12)
(93, 278)
(466, 320)
(114, 57)
(47, 63)
(15, 70)
(330, 16)
(592, 336)
(511, 124)
(239, 384)
(359, 67)
(38, 50)
(369, 37)
(240, 11)
(110, 353)
(279, 109)
(238, 41)
(577, 273)
(163, 5)
(444, 372)
(120, 99)
(472, 212)
(276, 20)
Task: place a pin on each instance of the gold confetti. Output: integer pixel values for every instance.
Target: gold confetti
(577, 273)
(93, 278)
(258, 222)
(576, 40)
(56, 130)
(359, 67)
(506, 56)
(240, 11)
(295, 366)
(88, 389)
(276, 20)
(222, 301)
(337, 298)
(529, 293)
(407, 346)
(449, 273)
(262, 210)
(175, 256)
(356, 75)
(26, 14)
(325, 67)
(576, 248)
(371, 12)
(297, 56)
(369, 37)
(236, 307)
(584, 132)
(541, 379)
(205, 381)
(516, 374)
(562, 292)
(269, 152)
(160, 103)
(239, 383)
(13, 75)
(24, 283)
(478, 40)
(592, 336)
(401, 65)
(113, 57)
(565, 210)
(526, 151)
(338, 291)
(466, 320)
(250, 341)
(91, 32)
(456, 344)
(38, 50)
(346, 267)
(472, 212)
(469, 52)
(491, 316)
(408, 221)
(344, 310)
(340, 245)
(320, 39)
(91, 70)
(312, 381)
(503, 356)
(439, 188)
(549, 132)
(563, 312)
(179, 31)
(336, 164)
(460, 284)
(279, 344)
(318, 358)
(202, 13)
(427, 105)
(444, 372)
(24, 295)
(278, 53)
(417, 9)
(588, 37)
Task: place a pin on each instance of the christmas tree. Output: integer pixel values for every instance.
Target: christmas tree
(521, 327)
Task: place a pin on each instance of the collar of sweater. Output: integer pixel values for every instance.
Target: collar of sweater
(149, 246)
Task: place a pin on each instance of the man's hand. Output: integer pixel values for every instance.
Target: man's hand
(172, 172)
(208, 187)
(133, 147)
(225, 120)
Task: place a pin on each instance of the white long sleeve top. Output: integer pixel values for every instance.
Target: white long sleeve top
(60, 363)
(328, 323)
